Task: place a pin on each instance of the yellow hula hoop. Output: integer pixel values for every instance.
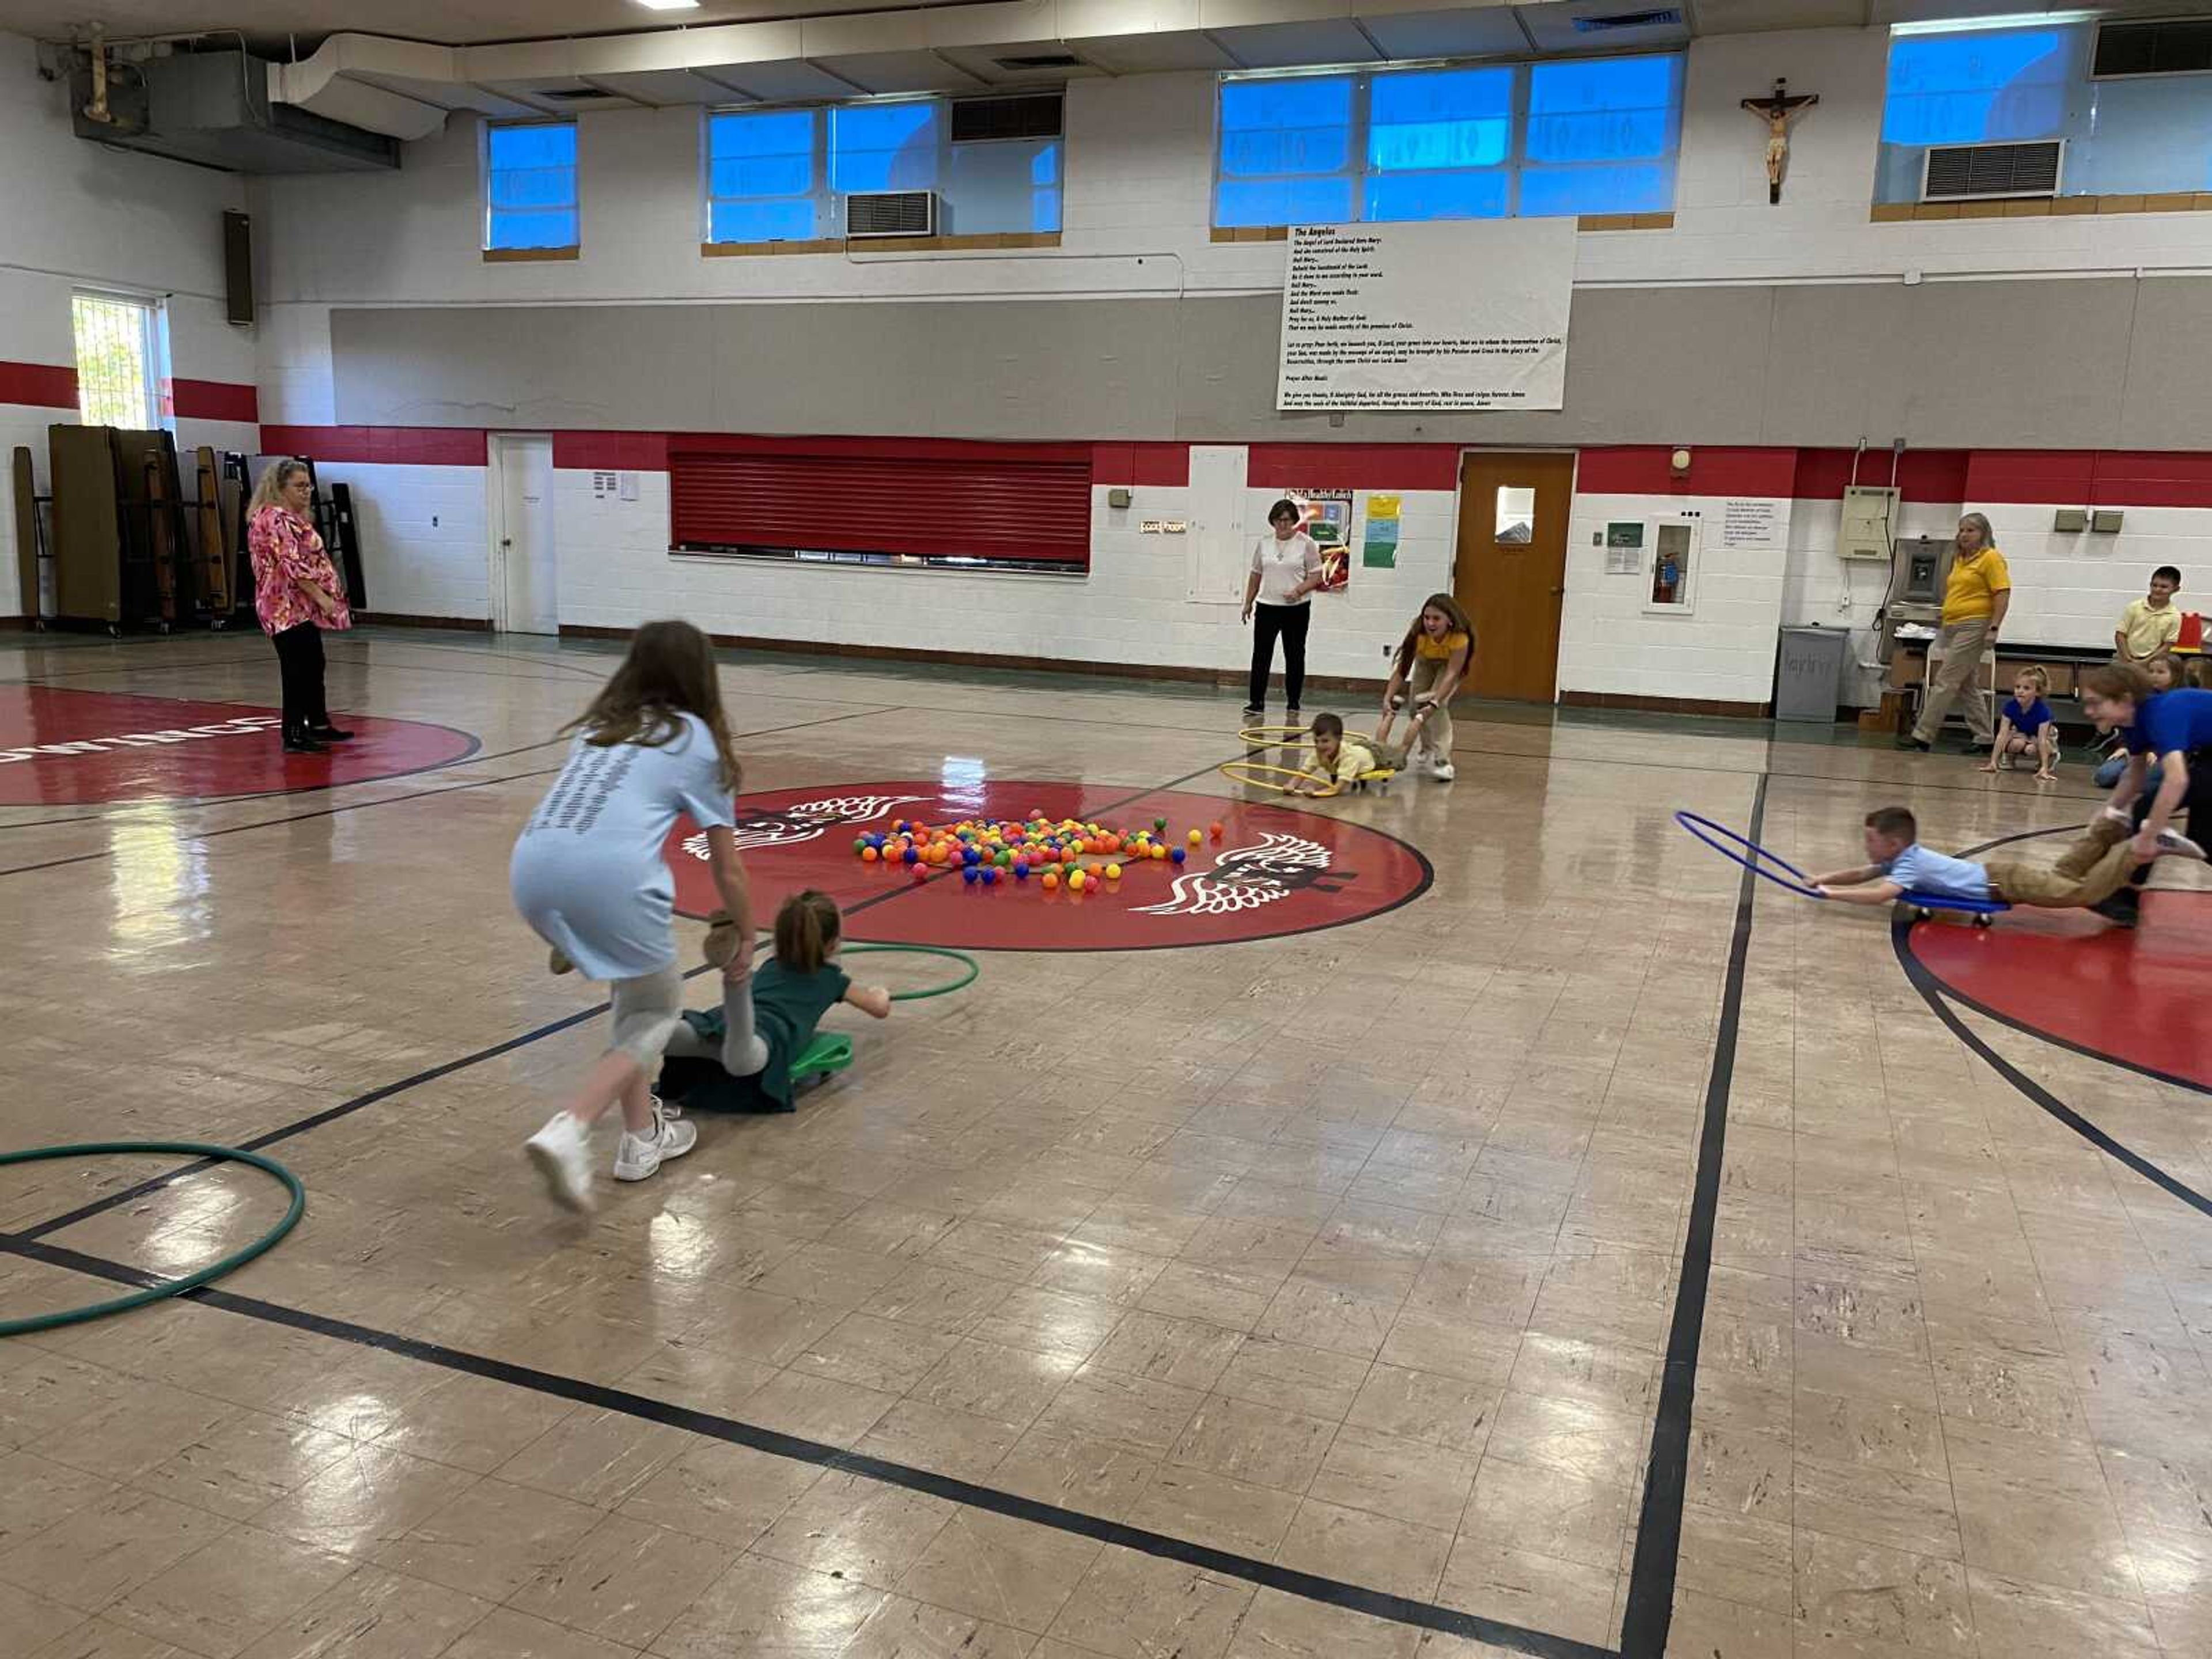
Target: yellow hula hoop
(1276, 737)
(1235, 772)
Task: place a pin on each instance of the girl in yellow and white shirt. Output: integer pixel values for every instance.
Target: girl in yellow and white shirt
(1432, 660)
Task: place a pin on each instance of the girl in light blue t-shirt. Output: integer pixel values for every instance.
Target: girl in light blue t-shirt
(588, 877)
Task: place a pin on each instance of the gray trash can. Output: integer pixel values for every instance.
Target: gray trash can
(1808, 673)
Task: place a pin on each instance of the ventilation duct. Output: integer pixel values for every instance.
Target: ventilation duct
(213, 110)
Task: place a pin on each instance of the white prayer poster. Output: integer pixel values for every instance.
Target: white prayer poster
(1469, 314)
(1754, 523)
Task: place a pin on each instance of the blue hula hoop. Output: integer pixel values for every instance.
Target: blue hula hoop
(1796, 881)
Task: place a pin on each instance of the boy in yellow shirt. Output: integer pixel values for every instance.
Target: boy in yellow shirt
(2149, 627)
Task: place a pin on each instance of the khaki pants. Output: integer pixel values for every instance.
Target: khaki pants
(1960, 646)
(2090, 872)
(1436, 730)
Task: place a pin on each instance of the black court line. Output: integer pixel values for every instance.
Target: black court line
(385, 1091)
(1650, 1609)
(1938, 998)
(1307, 1586)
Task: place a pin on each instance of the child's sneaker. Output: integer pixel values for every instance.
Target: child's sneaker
(556, 961)
(2125, 820)
(638, 1156)
(1443, 770)
(2174, 844)
(562, 1152)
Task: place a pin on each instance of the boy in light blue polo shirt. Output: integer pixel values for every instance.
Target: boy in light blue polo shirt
(1898, 868)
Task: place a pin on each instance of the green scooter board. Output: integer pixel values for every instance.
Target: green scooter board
(830, 1053)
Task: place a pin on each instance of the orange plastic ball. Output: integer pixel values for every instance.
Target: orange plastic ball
(1050, 882)
(869, 856)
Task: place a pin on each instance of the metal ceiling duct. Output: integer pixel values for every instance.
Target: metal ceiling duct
(212, 109)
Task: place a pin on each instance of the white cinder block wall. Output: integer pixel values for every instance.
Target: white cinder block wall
(77, 216)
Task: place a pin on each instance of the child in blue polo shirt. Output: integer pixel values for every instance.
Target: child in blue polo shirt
(2025, 727)
(1898, 865)
(2169, 730)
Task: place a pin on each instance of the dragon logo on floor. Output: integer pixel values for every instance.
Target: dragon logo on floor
(1257, 869)
(809, 820)
(1245, 878)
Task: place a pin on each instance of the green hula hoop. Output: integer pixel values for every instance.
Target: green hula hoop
(960, 957)
(167, 1288)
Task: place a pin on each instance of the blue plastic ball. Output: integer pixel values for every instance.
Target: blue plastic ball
(970, 874)
(910, 856)
(1177, 855)
(1021, 873)
(971, 856)
(990, 876)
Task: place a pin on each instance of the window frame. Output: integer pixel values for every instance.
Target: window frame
(491, 250)
(829, 227)
(1512, 165)
(152, 330)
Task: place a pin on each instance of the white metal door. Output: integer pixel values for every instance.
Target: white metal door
(524, 571)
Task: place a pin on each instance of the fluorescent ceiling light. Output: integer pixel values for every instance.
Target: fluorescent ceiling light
(670, 5)
(2024, 20)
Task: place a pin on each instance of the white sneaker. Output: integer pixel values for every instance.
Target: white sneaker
(562, 1152)
(1443, 770)
(2174, 844)
(2125, 819)
(638, 1156)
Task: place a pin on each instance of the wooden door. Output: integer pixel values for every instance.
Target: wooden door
(1511, 569)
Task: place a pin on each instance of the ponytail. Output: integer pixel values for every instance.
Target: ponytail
(807, 927)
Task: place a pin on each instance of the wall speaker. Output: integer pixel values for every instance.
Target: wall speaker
(238, 268)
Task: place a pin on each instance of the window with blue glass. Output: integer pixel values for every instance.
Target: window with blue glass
(1484, 142)
(529, 187)
(761, 177)
(2146, 135)
(782, 175)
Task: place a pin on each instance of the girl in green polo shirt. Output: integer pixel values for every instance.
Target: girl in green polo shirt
(750, 1042)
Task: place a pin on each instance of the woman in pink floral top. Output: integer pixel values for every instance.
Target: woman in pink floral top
(297, 594)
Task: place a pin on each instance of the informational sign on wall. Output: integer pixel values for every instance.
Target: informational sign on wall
(1754, 523)
(1328, 521)
(1465, 314)
(1379, 551)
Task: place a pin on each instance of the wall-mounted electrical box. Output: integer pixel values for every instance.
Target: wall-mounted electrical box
(2068, 520)
(2106, 521)
(1117, 497)
(1869, 515)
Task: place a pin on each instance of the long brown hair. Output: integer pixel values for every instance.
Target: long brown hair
(670, 671)
(1457, 617)
(806, 928)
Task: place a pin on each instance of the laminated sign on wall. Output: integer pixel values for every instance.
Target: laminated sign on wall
(1460, 314)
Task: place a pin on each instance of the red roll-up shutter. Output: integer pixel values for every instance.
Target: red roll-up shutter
(926, 498)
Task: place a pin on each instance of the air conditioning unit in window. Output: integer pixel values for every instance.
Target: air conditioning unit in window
(878, 213)
(1982, 173)
(2167, 45)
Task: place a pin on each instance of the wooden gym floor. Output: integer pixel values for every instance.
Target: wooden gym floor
(1531, 1236)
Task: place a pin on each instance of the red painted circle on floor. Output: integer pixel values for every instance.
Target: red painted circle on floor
(60, 747)
(2134, 996)
(1274, 871)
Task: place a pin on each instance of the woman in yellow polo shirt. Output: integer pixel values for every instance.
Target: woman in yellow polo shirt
(1432, 660)
(1975, 599)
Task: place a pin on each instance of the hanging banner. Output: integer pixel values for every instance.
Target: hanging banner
(1468, 313)
(1328, 521)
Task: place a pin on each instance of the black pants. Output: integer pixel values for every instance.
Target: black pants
(1288, 624)
(300, 655)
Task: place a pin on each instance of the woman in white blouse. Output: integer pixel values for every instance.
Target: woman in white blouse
(1285, 575)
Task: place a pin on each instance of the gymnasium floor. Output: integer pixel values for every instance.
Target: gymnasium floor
(1315, 1287)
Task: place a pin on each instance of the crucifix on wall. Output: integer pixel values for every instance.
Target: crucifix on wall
(1777, 110)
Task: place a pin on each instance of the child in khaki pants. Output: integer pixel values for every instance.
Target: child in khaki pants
(2095, 868)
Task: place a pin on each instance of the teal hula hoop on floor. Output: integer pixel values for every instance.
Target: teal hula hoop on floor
(960, 957)
(167, 1288)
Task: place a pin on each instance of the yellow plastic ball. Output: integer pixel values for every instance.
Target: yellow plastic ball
(1113, 872)
(1075, 881)
(1196, 836)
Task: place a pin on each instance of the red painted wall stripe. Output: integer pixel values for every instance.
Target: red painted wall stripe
(38, 385)
(1941, 477)
(383, 446)
(214, 400)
